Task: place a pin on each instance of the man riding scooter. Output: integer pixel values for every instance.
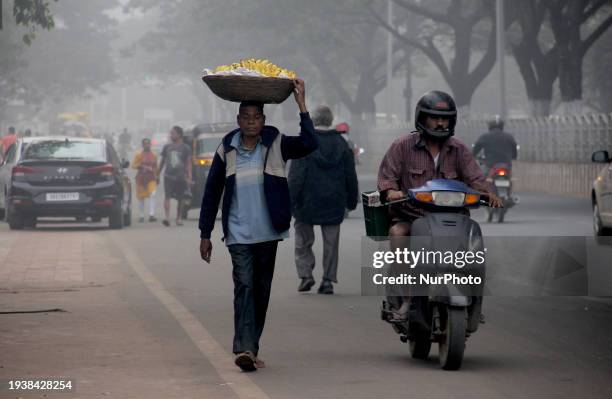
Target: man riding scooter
(499, 150)
(498, 146)
(414, 159)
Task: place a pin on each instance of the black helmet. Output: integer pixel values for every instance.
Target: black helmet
(436, 103)
(496, 123)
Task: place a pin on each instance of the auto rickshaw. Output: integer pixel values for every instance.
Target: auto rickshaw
(205, 138)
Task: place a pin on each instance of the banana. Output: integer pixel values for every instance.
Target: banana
(263, 67)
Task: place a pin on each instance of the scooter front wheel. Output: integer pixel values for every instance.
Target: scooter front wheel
(420, 346)
(452, 341)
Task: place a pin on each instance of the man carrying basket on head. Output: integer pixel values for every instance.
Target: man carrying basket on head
(248, 170)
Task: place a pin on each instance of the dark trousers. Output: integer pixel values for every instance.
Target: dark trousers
(253, 269)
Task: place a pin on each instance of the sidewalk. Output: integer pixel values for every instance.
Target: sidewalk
(112, 337)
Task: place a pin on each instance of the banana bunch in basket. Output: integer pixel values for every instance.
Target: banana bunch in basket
(253, 67)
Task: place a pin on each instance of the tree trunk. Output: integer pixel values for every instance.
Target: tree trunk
(463, 93)
(570, 75)
(539, 108)
(566, 28)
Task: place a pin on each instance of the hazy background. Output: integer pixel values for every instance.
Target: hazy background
(138, 63)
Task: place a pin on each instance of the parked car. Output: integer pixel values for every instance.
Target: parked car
(601, 195)
(68, 177)
(13, 156)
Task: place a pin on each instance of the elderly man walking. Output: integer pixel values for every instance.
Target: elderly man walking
(322, 186)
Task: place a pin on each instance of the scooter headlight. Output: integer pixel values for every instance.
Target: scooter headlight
(448, 198)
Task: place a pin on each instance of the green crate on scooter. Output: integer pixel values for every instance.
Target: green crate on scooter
(375, 215)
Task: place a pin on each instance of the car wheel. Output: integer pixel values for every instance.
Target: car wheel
(115, 220)
(602, 234)
(127, 217)
(15, 220)
(30, 222)
(598, 226)
(3, 210)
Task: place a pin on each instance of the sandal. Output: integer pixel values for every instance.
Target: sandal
(398, 317)
(260, 364)
(246, 361)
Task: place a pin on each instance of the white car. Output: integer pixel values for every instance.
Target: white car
(13, 155)
(601, 195)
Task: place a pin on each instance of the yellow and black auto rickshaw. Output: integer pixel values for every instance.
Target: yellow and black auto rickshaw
(206, 138)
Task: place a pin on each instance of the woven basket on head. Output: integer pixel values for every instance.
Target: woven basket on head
(250, 88)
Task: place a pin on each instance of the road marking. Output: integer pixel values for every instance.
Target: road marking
(223, 362)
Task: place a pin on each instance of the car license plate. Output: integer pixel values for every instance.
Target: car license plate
(62, 197)
(502, 183)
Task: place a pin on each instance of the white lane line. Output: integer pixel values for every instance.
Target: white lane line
(222, 361)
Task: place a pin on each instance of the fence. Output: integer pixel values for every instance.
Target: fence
(555, 152)
(561, 139)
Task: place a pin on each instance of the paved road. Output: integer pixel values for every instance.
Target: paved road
(145, 317)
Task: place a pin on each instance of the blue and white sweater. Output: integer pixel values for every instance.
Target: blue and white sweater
(221, 179)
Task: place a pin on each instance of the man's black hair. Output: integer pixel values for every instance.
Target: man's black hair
(178, 129)
(145, 139)
(12, 129)
(257, 104)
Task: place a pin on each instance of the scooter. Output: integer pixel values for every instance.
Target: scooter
(447, 313)
(500, 175)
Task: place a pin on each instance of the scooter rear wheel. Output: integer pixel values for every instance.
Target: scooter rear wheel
(452, 342)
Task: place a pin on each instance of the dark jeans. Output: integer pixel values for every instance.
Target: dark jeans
(253, 268)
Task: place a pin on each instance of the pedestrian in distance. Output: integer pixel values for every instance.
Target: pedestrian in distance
(176, 160)
(145, 162)
(248, 170)
(8, 140)
(322, 186)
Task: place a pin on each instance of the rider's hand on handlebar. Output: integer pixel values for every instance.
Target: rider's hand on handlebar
(495, 201)
(393, 195)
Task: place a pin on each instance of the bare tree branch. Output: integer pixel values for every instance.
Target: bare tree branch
(596, 34)
(410, 6)
(590, 11)
(428, 49)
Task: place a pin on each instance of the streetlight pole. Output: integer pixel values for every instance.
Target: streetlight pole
(123, 106)
(501, 53)
(388, 92)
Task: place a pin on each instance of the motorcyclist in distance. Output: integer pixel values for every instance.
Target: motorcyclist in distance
(498, 146)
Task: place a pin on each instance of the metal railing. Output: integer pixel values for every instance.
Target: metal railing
(563, 139)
